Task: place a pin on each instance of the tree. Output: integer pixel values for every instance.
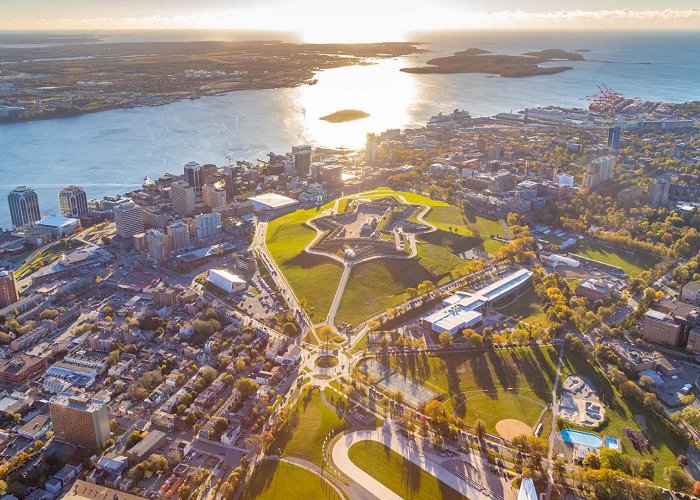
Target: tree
(445, 339)
(613, 459)
(290, 329)
(246, 387)
(480, 428)
(240, 365)
(676, 478)
(646, 469)
(220, 425)
(651, 401)
(134, 438)
(591, 461)
(184, 492)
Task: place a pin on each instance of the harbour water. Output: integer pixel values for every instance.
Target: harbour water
(110, 152)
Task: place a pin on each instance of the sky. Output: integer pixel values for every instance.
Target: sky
(362, 20)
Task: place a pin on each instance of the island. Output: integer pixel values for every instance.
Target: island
(474, 60)
(345, 115)
(78, 75)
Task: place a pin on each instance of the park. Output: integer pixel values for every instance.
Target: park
(408, 239)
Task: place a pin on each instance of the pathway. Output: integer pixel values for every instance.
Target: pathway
(553, 432)
(416, 452)
(310, 467)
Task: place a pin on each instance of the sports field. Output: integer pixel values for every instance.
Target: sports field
(632, 262)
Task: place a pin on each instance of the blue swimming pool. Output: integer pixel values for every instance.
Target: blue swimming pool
(612, 443)
(583, 438)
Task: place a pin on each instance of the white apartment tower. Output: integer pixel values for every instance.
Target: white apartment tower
(24, 206)
(208, 225)
(129, 219)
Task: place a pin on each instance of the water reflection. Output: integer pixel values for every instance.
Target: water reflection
(379, 89)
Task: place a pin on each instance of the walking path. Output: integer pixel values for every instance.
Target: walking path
(417, 453)
(553, 433)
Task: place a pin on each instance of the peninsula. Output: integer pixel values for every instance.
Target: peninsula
(81, 76)
(475, 60)
(345, 115)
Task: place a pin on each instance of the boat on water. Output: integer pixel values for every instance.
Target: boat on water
(457, 114)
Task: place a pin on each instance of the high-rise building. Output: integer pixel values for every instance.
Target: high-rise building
(371, 148)
(658, 193)
(482, 145)
(614, 134)
(79, 421)
(72, 201)
(129, 219)
(208, 225)
(214, 197)
(24, 206)
(179, 235)
(183, 198)
(194, 176)
(599, 171)
(8, 289)
(302, 160)
(158, 245)
(234, 185)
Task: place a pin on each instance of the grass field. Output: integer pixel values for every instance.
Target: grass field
(272, 480)
(496, 377)
(398, 474)
(377, 285)
(446, 217)
(312, 277)
(493, 409)
(526, 308)
(633, 262)
(309, 423)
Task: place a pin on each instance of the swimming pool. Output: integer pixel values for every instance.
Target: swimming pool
(583, 438)
(612, 443)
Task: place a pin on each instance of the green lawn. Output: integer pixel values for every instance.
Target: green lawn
(312, 277)
(439, 260)
(496, 375)
(398, 474)
(632, 262)
(377, 285)
(491, 410)
(446, 217)
(526, 308)
(309, 423)
(272, 480)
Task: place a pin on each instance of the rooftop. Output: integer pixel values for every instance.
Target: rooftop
(56, 221)
(273, 200)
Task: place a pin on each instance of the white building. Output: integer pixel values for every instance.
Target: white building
(273, 204)
(73, 202)
(225, 280)
(129, 219)
(564, 180)
(207, 225)
(59, 226)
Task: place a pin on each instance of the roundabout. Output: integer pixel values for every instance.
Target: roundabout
(326, 361)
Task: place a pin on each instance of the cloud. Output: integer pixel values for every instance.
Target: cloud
(411, 19)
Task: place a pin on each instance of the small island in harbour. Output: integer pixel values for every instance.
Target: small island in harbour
(345, 115)
(475, 60)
